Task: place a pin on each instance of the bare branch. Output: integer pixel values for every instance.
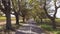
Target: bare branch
(55, 9)
(1, 7)
(46, 10)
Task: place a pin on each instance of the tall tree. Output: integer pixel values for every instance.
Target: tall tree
(15, 5)
(24, 10)
(54, 15)
(6, 10)
(36, 10)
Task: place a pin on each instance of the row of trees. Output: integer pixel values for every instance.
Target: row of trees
(42, 8)
(27, 8)
(16, 6)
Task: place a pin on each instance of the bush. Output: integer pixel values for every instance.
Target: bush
(47, 27)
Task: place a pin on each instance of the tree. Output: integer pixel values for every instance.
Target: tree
(24, 10)
(54, 15)
(36, 10)
(6, 9)
(19, 8)
(15, 5)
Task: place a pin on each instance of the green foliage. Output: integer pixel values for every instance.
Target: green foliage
(36, 11)
(47, 27)
(38, 21)
(58, 32)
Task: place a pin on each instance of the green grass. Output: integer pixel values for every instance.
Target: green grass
(50, 29)
(46, 27)
(4, 18)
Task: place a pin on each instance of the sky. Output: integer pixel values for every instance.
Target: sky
(52, 8)
(58, 13)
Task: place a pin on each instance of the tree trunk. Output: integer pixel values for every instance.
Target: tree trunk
(17, 19)
(24, 19)
(53, 23)
(41, 20)
(8, 21)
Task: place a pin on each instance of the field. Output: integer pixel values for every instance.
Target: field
(4, 18)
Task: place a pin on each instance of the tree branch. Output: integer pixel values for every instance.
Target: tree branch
(55, 9)
(1, 8)
(46, 10)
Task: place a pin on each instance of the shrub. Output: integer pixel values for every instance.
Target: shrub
(46, 27)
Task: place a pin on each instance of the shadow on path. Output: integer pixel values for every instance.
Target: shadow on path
(30, 28)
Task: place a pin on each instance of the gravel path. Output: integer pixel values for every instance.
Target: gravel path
(30, 28)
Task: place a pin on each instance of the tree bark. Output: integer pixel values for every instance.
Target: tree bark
(17, 19)
(41, 20)
(24, 19)
(8, 21)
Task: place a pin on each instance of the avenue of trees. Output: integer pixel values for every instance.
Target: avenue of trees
(27, 9)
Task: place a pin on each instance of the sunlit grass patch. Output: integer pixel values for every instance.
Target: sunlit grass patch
(4, 18)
